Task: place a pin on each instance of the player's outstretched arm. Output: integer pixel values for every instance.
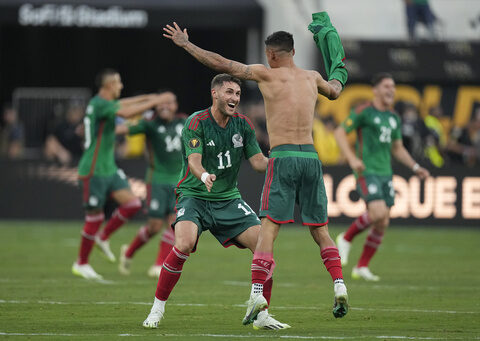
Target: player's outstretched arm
(256, 72)
(330, 89)
(195, 164)
(129, 110)
(136, 99)
(258, 162)
(121, 129)
(401, 154)
(341, 136)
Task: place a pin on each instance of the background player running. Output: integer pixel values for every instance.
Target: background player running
(163, 131)
(214, 142)
(99, 175)
(378, 138)
(294, 172)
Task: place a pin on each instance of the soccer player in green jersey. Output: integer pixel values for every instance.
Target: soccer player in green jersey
(163, 131)
(378, 138)
(99, 175)
(294, 173)
(214, 143)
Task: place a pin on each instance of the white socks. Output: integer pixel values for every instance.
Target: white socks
(257, 289)
(158, 305)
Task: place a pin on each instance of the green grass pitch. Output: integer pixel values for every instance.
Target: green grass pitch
(430, 289)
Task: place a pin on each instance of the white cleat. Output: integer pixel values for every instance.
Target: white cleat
(104, 245)
(343, 248)
(153, 319)
(85, 271)
(255, 305)
(365, 273)
(266, 321)
(340, 304)
(124, 263)
(154, 271)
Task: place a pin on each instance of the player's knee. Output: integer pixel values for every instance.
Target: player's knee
(378, 214)
(155, 226)
(185, 245)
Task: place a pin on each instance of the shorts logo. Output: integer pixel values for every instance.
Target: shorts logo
(180, 212)
(392, 122)
(93, 201)
(372, 188)
(194, 143)
(154, 205)
(237, 140)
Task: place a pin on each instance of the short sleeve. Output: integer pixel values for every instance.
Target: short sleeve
(353, 121)
(139, 128)
(192, 139)
(108, 109)
(397, 132)
(251, 146)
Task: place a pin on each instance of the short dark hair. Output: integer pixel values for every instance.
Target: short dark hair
(281, 40)
(221, 78)
(100, 78)
(379, 77)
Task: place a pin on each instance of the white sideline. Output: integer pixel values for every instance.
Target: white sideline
(428, 311)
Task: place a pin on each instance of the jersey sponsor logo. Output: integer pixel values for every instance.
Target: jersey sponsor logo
(393, 122)
(161, 129)
(211, 143)
(180, 212)
(93, 201)
(237, 140)
(372, 188)
(376, 120)
(194, 143)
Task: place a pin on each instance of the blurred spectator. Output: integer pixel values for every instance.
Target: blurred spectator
(65, 143)
(414, 131)
(419, 11)
(436, 140)
(256, 114)
(464, 144)
(11, 134)
(325, 143)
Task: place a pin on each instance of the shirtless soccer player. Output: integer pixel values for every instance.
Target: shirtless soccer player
(294, 171)
(214, 142)
(99, 175)
(163, 132)
(379, 137)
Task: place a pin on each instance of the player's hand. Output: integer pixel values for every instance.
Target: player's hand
(209, 181)
(176, 34)
(357, 165)
(422, 173)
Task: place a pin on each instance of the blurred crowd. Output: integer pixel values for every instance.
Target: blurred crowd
(428, 139)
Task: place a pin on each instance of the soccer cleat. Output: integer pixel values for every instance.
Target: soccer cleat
(85, 271)
(266, 321)
(154, 271)
(365, 273)
(104, 245)
(153, 319)
(124, 263)
(255, 305)
(340, 304)
(343, 248)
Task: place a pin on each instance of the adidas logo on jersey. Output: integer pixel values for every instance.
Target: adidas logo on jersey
(211, 143)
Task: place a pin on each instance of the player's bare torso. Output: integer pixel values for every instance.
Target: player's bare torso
(290, 94)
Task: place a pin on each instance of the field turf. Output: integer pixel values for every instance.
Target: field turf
(430, 289)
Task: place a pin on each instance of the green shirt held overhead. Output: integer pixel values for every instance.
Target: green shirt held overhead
(99, 155)
(222, 151)
(376, 130)
(164, 148)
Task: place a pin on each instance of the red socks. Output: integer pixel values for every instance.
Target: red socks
(92, 224)
(360, 224)
(171, 271)
(166, 244)
(120, 216)
(372, 243)
(267, 289)
(262, 267)
(331, 259)
(142, 237)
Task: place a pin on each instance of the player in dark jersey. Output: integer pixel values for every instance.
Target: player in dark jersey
(378, 138)
(99, 175)
(214, 143)
(163, 131)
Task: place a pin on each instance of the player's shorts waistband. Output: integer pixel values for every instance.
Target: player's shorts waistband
(294, 150)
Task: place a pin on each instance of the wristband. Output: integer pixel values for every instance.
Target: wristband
(415, 167)
(204, 176)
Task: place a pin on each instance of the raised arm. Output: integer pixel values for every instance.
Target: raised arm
(134, 108)
(195, 164)
(136, 99)
(330, 89)
(402, 155)
(255, 72)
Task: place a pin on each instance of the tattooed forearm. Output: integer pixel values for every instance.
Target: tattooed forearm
(335, 88)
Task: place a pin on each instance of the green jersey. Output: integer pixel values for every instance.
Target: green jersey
(164, 148)
(99, 155)
(222, 151)
(376, 130)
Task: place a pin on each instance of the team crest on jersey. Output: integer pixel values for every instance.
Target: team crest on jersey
(376, 120)
(237, 140)
(161, 129)
(194, 143)
(393, 122)
(181, 212)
